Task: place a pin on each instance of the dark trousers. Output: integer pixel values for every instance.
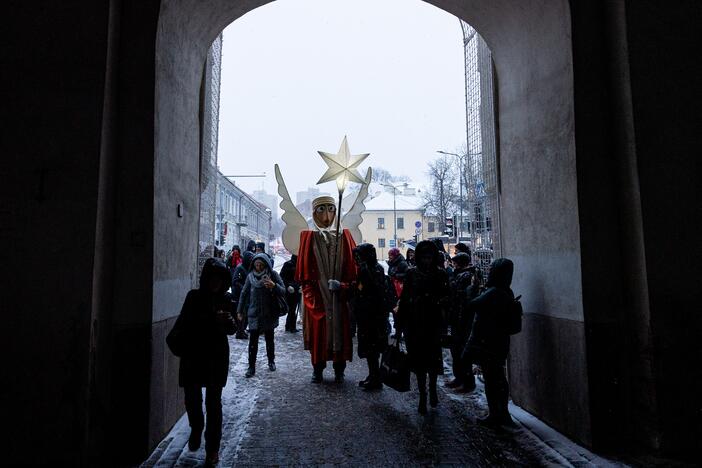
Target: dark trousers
(373, 359)
(422, 382)
(253, 346)
(213, 406)
(291, 321)
(462, 370)
(496, 388)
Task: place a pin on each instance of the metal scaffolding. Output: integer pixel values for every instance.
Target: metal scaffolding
(480, 178)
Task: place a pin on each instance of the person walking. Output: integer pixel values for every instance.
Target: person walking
(292, 293)
(420, 316)
(410, 257)
(251, 246)
(488, 344)
(369, 305)
(199, 338)
(259, 300)
(463, 290)
(234, 259)
(238, 281)
(397, 270)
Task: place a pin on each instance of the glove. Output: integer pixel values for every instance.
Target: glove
(291, 289)
(334, 285)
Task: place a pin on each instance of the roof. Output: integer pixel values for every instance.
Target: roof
(383, 201)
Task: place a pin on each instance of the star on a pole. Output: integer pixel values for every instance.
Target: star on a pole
(343, 166)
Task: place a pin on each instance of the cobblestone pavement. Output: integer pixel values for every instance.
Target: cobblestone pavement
(281, 419)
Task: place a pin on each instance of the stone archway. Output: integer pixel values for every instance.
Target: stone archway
(539, 199)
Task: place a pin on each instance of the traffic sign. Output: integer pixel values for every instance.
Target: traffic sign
(418, 224)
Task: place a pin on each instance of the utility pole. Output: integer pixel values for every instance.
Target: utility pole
(394, 209)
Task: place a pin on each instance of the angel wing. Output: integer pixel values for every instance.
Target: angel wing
(295, 223)
(352, 219)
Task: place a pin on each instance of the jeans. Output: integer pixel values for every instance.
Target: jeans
(253, 346)
(213, 405)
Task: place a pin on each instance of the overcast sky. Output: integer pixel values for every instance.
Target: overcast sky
(298, 75)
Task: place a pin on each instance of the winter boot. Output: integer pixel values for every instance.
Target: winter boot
(194, 439)
(422, 409)
(433, 396)
(250, 372)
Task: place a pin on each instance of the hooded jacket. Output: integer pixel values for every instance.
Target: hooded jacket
(259, 303)
(198, 337)
(368, 301)
(420, 315)
(488, 338)
(240, 273)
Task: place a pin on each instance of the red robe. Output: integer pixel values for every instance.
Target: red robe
(315, 319)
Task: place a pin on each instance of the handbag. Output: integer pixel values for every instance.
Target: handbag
(394, 368)
(282, 306)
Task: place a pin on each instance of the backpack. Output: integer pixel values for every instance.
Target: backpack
(513, 324)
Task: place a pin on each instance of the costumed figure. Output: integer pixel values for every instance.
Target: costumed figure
(325, 267)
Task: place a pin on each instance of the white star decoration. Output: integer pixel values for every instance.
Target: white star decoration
(343, 167)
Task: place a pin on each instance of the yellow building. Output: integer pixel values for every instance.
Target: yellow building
(381, 223)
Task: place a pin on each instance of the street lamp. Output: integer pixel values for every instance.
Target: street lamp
(394, 188)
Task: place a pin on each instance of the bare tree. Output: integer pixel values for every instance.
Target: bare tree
(384, 176)
(441, 197)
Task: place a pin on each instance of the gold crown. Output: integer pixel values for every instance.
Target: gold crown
(323, 200)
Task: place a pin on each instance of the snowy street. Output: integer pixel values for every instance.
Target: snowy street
(281, 419)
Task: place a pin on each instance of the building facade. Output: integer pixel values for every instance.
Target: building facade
(392, 220)
(240, 218)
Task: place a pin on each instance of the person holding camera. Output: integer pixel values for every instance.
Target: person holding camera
(259, 301)
(199, 338)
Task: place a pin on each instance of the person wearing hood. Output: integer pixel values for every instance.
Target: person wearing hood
(234, 259)
(292, 294)
(199, 338)
(369, 305)
(238, 280)
(463, 290)
(410, 257)
(488, 344)
(251, 246)
(420, 318)
(259, 301)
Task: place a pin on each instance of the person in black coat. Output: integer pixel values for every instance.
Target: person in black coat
(461, 320)
(292, 293)
(488, 344)
(420, 318)
(369, 304)
(238, 280)
(199, 338)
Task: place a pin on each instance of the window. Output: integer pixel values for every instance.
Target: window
(381, 223)
(431, 226)
(400, 223)
(381, 243)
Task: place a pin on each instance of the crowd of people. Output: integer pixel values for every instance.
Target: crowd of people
(436, 301)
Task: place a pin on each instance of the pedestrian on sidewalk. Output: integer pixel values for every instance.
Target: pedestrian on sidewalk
(369, 305)
(461, 320)
(234, 259)
(199, 338)
(421, 319)
(238, 281)
(259, 301)
(488, 343)
(397, 269)
(292, 293)
(410, 256)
